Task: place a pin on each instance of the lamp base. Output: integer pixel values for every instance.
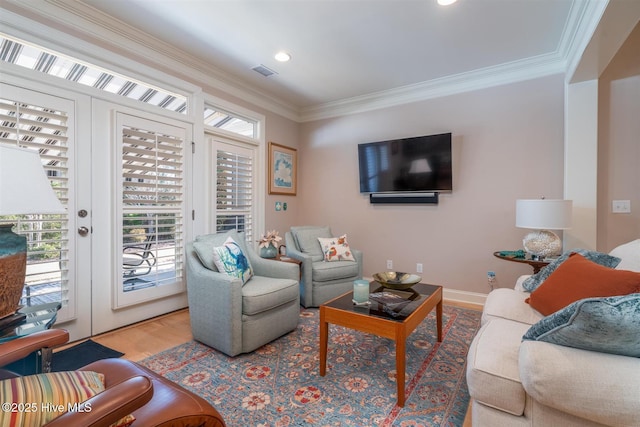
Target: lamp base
(542, 244)
(13, 266)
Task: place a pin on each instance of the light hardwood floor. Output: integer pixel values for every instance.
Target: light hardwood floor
(152, 336)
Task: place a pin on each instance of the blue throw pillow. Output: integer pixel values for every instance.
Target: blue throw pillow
(231, 260)
(606, 325)
(531, 283)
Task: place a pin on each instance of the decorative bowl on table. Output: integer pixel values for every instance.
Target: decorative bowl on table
(396, 279)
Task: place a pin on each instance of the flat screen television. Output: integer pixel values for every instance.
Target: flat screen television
(417, 164)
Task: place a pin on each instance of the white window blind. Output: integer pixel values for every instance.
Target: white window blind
(234, 189)
(152, 206)
(43, 130)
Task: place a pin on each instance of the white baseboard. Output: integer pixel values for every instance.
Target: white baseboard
(464, 296)
(458, 296)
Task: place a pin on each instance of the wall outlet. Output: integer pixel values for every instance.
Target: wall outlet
(621, 206)
(418, 268)
(491, 279)
(389, 264)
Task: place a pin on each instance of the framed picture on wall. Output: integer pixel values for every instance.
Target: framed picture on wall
(282, 169)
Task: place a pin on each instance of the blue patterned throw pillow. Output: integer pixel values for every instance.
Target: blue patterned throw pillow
(230, 259)
(531, 283)
(606, 325)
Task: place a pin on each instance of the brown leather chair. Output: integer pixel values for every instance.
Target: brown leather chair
(129, 389)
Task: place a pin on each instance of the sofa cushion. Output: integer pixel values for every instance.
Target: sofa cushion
(306, 238)
(531, 283)
(336, 248)
(600, 387)
(629, 253)
(493, 375)
(326, 272)
(579, 278)
(607, 325)
(264, 293)
(509, 304)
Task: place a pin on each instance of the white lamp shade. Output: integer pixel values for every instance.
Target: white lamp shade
(544, 214)
(24, 186)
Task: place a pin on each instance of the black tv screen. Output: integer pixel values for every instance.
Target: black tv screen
(421, 163)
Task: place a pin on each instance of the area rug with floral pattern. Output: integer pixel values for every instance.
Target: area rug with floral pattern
(280, 385)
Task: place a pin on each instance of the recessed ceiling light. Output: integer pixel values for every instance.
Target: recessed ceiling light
(446, 2)
(282, 56)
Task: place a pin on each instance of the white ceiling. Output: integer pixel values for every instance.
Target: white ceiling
(345, 49)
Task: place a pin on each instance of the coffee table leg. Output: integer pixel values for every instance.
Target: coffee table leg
(439, 320)
(400, 367)
(324, 336)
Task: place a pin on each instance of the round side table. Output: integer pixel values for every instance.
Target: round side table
(535, 264)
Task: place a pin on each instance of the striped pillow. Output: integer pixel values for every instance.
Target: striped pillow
(35, 400)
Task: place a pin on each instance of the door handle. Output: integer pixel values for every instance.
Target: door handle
(83, 231)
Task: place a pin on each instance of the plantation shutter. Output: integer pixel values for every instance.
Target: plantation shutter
(234, 189)
(43, 130)
(152, 207)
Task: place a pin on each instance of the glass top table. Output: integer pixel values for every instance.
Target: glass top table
(387, 303)
(394, 314)
(28, 320)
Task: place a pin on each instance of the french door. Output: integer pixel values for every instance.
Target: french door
(59, 261)
(116, 256)
(139, 161)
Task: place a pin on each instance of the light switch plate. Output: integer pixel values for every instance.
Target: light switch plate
(621, 206)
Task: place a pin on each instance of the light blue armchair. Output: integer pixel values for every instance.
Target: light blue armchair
(321, 280)
(235, 318)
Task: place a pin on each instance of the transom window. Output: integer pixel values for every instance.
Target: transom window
(56, 64)
(230, 122)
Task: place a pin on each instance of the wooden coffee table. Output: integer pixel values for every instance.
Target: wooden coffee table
(388, 324)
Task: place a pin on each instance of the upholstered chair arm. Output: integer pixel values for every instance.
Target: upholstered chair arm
(358, 255)
(518, 285)
(19, 348)
(306, 267)
(109, 406)
(271, 268)
(215, 305)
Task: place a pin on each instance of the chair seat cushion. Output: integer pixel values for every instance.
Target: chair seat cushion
(493, 374)
(264, 293)
(328, 271)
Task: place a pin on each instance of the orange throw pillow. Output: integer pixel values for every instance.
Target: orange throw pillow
(578, 278)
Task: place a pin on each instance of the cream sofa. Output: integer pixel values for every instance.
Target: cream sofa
(514, 382)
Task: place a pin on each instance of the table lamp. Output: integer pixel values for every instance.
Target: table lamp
(24, 189)
(543, 215)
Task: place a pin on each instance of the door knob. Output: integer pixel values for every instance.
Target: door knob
(83, 231)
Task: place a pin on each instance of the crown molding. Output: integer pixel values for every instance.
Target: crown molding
(513, 72)
(88, 24)
(581, 22)
(585, 17)
(81, 21)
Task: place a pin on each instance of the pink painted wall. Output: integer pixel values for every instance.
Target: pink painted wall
(619, 145)
(508, 144)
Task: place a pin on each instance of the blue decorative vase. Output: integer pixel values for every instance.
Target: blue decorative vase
(13, 264)
(269, 252)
